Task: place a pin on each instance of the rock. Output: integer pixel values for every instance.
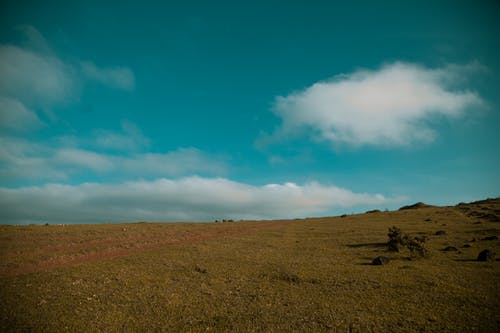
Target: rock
(440, 232)
(200, 270)
(486, 255)
(380, 261)
(490, 238)
(466, 245)
(449, 248)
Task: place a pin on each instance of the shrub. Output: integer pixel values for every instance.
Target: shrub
(417, 248)
(398, 240)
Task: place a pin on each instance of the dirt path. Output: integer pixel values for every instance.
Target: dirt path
(69, 254)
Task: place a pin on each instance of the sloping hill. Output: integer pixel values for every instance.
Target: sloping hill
(291, 275)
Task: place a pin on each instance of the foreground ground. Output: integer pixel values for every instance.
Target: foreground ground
(274, 276)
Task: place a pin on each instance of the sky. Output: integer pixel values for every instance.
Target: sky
(119, 111)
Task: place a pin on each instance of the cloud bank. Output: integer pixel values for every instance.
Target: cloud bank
(25, 160)
(391, 106)
(185, 199)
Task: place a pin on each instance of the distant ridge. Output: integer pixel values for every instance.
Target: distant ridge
(415, 206)
(485, 201)
(482, 209)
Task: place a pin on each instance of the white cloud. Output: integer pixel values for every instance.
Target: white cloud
(182, 161)
(34, 40)
(187, 199)
(14, 115)
(389, 107)
(23, 160)
(33, 77)
(87, 160)
(130, 138)
(118, 77)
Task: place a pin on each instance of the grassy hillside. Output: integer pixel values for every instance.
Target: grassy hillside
(274, 276)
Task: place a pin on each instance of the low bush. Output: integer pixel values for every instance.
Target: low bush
(399, 240)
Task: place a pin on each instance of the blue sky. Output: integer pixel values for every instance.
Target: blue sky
(193, 110)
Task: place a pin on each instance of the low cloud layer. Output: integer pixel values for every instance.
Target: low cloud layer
(187, 199)
(391, 106)
(23, 160)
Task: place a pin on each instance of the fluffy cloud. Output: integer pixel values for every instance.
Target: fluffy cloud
(187, 199)
(23, 160)
(389, 107)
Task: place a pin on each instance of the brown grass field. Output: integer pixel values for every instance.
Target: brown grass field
(307, 275)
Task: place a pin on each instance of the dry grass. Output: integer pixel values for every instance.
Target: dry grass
(299, 275)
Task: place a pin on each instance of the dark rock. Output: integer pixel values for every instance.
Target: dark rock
(466, 246)
(380, 261)
(486, 255)
(427, 220)
(440, 232)
(288, 277)
(343, 215)
(201, 270)
(449, 248)
(490, 238)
